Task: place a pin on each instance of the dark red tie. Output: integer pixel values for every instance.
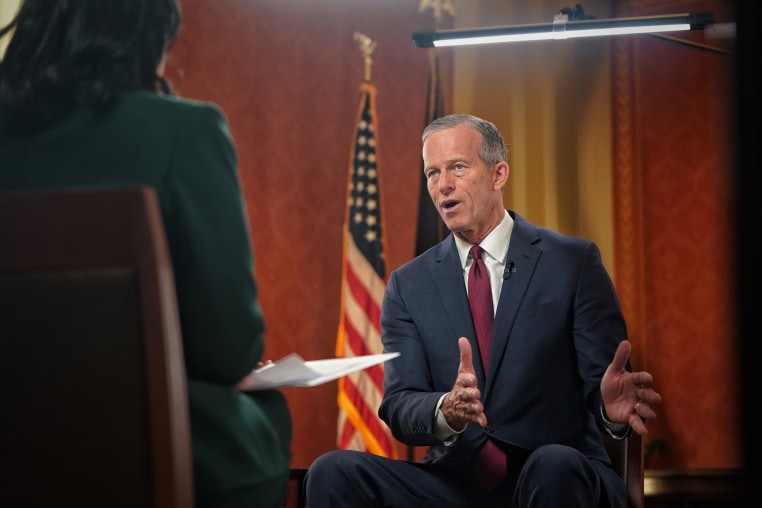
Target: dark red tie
(480, 301)
(490, 465)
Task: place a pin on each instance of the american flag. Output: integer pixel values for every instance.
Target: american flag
(362, 288)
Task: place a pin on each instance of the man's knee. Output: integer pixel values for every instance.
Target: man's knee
(328, 465)
(556, 474)
(554, 460)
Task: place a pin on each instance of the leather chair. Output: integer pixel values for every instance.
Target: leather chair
(627, 457)
(94, 404)
(295, 496)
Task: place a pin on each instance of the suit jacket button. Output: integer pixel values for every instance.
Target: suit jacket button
(489, 428)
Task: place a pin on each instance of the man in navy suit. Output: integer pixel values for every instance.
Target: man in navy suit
(558, 369)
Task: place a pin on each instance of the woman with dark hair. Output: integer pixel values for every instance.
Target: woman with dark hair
(69, 54)
(83, 104)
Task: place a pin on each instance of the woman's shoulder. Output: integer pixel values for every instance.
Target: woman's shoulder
(168, 108)
(170, 104)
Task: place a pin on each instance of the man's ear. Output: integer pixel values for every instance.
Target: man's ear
(500, 175)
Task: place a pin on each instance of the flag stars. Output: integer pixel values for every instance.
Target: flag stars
(364, 205)
(366, 143)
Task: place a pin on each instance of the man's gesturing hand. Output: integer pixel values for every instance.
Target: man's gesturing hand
(628, 397)
(461, 405)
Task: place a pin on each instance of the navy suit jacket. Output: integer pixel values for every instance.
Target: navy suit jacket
(557, 326)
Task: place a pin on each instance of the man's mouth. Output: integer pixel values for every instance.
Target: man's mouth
(447, 205)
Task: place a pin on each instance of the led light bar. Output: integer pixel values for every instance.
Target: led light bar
(561, 28)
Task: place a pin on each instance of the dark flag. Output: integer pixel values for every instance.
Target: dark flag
(431, 229)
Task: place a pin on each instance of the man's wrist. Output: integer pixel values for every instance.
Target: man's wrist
(613, 429)
(442, 429)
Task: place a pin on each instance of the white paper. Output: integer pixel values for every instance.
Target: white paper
(292, 370)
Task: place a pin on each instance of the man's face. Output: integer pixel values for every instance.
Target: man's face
(466, 194)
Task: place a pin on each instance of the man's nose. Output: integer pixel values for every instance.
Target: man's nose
(446, 182)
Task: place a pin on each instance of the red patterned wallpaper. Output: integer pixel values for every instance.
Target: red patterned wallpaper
(674, 230)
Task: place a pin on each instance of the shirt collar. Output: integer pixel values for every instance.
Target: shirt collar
(495, 244)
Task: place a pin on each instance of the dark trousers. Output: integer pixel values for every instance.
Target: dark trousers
(552, 476)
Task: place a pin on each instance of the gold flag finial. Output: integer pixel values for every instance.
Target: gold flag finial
(367, 45)
(438, 6)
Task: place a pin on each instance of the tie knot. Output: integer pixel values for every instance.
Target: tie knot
(476, 252)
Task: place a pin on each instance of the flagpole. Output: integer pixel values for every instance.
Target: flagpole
(367, 46)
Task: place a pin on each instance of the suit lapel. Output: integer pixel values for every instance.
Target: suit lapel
(447, 274)
(523, 256)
